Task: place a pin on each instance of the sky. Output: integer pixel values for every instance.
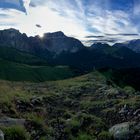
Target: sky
(106, 21)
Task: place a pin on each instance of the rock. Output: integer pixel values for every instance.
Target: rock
(126, 131)
(54, 42)
(23, 106)
(137, 112)
(124, 110)
(136, 115)
(120, 131)
(1, 135)
(36, 101)
(133, 45)
(5, 121)
(58, 42)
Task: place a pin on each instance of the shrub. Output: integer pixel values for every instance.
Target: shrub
(83, 136)
(129, 90)
(15, 133)
(104, 135)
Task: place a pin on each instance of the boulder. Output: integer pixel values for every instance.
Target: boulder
(6, 121)
(126, 131)
(1, 135)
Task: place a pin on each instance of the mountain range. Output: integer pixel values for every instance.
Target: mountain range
(56, 42)
(53, 42)
(133, 45)
(54, 49)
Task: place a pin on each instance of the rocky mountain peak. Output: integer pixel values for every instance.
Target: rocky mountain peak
(55, 42)
(99, 44)
(57, 34)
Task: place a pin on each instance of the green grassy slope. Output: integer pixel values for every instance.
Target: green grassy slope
(21, 72)
(12, 54)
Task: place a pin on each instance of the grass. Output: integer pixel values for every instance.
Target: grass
(19, 72)
(88, 80)
(14, 55)
(15, 132)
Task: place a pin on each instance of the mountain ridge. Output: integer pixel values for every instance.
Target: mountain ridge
(58, 49)
(54, 42)
(132, 44)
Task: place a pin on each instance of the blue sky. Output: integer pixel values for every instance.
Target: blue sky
(88, 20)
(14, 4)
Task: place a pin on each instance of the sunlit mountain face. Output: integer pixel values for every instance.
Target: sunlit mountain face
(107, 21)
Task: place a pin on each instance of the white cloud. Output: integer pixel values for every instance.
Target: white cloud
(70, 16)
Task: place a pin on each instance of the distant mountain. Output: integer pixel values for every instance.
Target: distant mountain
(133, 45)
(58, 49)
(88, 59)
(50, 43)
(98, 44)
(57, 42)
(24, 58)
(12, 38)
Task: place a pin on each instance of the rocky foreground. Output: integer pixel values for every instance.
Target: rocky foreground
(83, 108)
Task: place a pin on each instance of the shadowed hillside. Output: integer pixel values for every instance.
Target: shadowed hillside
(20, 72)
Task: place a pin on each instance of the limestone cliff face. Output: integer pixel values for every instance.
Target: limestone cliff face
(55, 42)
(58, 42)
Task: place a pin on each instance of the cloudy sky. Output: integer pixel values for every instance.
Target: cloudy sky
(88, 20)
